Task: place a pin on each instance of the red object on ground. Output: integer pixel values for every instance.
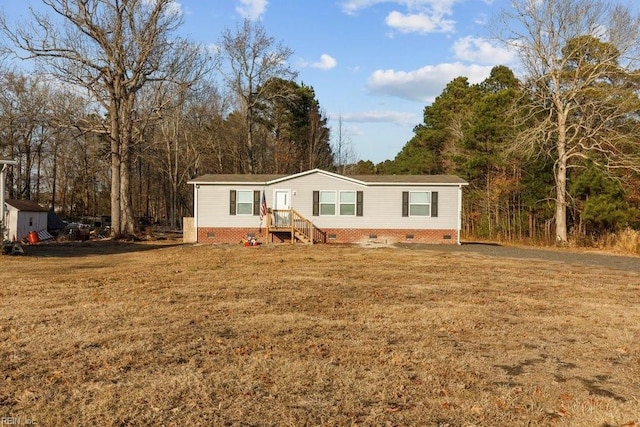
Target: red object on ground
(32, 237)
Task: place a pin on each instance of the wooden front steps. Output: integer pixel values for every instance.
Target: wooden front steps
(287, 224)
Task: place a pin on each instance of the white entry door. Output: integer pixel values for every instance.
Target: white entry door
(282, 202)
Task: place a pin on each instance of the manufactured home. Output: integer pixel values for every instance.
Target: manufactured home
(317, 206)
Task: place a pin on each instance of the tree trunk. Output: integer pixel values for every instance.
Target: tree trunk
(126, 206)
(561, 178)
(561, 204)
(54, 177)
(126, 214)
(250, 153)
(175, 184)
(116, 227)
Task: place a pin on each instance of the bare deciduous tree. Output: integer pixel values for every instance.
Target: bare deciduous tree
(162, 125)
(580, 58)
(250, 59)
(25, 111)
(343, 148)
(111, 49)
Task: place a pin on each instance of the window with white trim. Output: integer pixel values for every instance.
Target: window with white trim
(327, 203)
(419, 203)
(348, 203)
(244, 202)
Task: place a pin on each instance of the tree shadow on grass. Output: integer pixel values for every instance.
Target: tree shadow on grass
(94, 247)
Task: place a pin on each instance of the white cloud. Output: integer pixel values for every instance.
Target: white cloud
(482, 19)
(421, 16)
(173, 8)
(326, 62)
(351, 7)
(426, 83)
(419, 23)
(479, 50)
(251, 9)
(398, 117)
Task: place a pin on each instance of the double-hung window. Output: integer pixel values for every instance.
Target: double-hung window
(334, 203)
(419, 203)
(348, 203)
(244, 202)
(327, 203)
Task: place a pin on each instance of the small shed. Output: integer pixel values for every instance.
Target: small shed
(24, 216)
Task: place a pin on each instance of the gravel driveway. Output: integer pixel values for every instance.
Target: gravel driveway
(569, 256)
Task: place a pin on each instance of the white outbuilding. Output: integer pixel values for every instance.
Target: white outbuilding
(24, 216)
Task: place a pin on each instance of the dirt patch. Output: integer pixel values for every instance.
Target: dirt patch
(166, 334)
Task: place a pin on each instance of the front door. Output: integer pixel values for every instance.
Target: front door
(282, 207)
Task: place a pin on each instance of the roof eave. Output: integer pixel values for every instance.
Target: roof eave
(415, 183)
(359, 180)
(228, 182)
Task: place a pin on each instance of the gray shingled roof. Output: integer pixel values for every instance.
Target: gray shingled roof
(367, 179)
(409, 179)
(26, 205)
(237, 178)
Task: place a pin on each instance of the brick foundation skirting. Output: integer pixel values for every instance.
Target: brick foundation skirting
(229, 235)
(338, 235)
(390, 236)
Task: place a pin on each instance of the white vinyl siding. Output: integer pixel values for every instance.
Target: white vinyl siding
(348, 203)
(419, 203)
(382, 204)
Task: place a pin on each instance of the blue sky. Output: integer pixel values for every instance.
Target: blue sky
(374, 63)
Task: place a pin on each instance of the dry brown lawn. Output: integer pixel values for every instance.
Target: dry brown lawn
(112, 334)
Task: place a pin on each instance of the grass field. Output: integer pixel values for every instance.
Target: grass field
(282, 335)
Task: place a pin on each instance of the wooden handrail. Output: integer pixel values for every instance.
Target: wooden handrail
(302, 225)
(296, 223)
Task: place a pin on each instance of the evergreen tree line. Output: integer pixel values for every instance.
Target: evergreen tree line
(470, 131)
(552, 154)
